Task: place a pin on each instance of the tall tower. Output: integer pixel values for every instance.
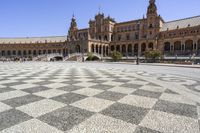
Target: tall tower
(72, 33)
(152, 20)
(152, 9)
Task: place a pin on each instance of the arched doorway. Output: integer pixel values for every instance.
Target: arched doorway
(151, 46)
(177, 46)
(198, 47)
(92, 48)
(124, 50)
(100, 49)
(136, 49)
(143, 48)
(107, 50)
(118, 48)
(78, 48)
(112, 48)
(130, 49)
(167, 46)
(104, 50)
(97, 48)
(189, 45)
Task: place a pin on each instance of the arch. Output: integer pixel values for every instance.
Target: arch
(151, 46)
(40, 52)
(143, 47)
(118, 48)
(34, 53)
(107, 50)
(97, 48)
(9, 53)
(49, 51)
(24, 53)
(19, 53)
(136, 46)
(44, 51)
(78, 48)
(13, 52)
(92, 48)
(198, 46)
(167, 46)
(29, 52)
(112, 48)
(106, 38)
(100, 49)
(177, 46)
(124, 50)
(189, 45)
(104, 50)
(54, 51)
(130, 49)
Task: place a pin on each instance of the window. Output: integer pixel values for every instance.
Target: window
(127, 37)
(119, 37)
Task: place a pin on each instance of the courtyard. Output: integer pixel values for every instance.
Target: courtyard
(60, 97)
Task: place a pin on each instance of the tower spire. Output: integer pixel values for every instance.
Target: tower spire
(99, 9)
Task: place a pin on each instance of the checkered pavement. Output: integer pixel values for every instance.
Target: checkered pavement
(57, 99)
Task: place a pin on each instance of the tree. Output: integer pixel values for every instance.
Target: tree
(153, 54)
(116, 56)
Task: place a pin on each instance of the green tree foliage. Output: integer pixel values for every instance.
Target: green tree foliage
(116, 56)
(153, 54)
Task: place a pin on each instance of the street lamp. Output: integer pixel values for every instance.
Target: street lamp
(138, 58)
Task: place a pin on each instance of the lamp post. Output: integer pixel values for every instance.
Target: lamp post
(138, 58)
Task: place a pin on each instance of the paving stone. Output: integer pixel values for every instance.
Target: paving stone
(130, 114)
(109, 95)
(177, 108)
(69, 98)
(19, 101)
(12, 117)
(65, 118)
(147, 93)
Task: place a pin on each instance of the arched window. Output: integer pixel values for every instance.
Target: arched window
(150, 46)
(177, 46)
(189, 45)
(167, 46)
(106, 38)
(78, 48)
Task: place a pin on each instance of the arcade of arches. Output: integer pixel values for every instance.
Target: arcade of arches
(100, 49)
(132, 49)
(188, 46)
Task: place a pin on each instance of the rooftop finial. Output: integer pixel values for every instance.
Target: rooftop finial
(152, 1)
(99, 9)
(73, 16)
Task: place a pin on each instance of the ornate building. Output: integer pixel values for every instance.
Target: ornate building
(179, 37)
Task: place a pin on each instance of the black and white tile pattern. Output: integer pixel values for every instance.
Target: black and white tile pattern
(74, 98)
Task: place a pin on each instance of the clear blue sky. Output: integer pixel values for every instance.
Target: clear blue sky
(27, 18)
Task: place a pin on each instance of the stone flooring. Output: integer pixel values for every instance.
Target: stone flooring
(95, 98)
